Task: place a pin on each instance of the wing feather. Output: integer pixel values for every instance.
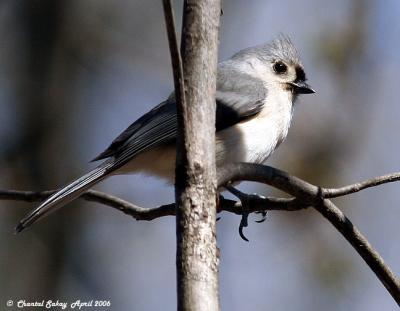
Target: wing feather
(236, 100)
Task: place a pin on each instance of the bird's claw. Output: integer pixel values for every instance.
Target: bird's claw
(245, 210)
(263, 217)
(243, 224)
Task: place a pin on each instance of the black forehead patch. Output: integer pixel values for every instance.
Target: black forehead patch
(300, 74)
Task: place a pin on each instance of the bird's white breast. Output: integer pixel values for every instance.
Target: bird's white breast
(255, 139)
(250, 141)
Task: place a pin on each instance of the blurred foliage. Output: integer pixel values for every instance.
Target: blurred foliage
(75, 73)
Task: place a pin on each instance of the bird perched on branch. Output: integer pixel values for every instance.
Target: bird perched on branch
(256, 90)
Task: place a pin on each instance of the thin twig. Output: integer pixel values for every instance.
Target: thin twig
(351, 233)
(373, 182)
(176, 58)
(137, 212)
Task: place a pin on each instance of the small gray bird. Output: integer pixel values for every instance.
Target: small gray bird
(256, 89)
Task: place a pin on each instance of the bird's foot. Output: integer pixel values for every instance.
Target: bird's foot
(244, 199)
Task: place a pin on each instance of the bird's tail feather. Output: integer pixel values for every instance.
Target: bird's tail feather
(65, 195)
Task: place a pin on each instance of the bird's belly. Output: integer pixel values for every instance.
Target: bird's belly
(158, 162)
(252, 141)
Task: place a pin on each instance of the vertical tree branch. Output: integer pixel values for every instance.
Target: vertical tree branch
(176, 59)
(196, 184)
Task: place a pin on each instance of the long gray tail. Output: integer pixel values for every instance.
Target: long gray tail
(65, 195)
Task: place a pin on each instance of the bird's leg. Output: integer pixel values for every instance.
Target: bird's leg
(244, 199)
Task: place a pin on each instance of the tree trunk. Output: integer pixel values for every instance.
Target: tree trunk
(197, 252)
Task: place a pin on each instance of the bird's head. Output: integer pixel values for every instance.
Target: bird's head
(278, 64)
(285, 67)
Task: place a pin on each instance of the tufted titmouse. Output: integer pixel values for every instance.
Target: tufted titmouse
(256, 89)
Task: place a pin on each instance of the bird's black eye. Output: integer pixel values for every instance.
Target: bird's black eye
(280, 67)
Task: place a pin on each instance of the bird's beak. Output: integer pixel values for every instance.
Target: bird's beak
(301, 88)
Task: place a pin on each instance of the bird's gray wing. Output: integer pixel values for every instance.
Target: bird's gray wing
(236, 101)
(239, 96)
(156, 127)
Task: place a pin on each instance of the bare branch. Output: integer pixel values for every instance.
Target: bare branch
(137, 212)
(176, 59)
(305, 195)
(351, 233)
(195, 174)
(338, 192)
(313, 195)
(27, 196)
(256, 203)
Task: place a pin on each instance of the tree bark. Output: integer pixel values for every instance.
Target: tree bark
(196, 183)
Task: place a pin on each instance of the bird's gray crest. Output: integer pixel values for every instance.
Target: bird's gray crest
(281, 48)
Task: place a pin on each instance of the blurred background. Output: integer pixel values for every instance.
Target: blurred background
(74, 74)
